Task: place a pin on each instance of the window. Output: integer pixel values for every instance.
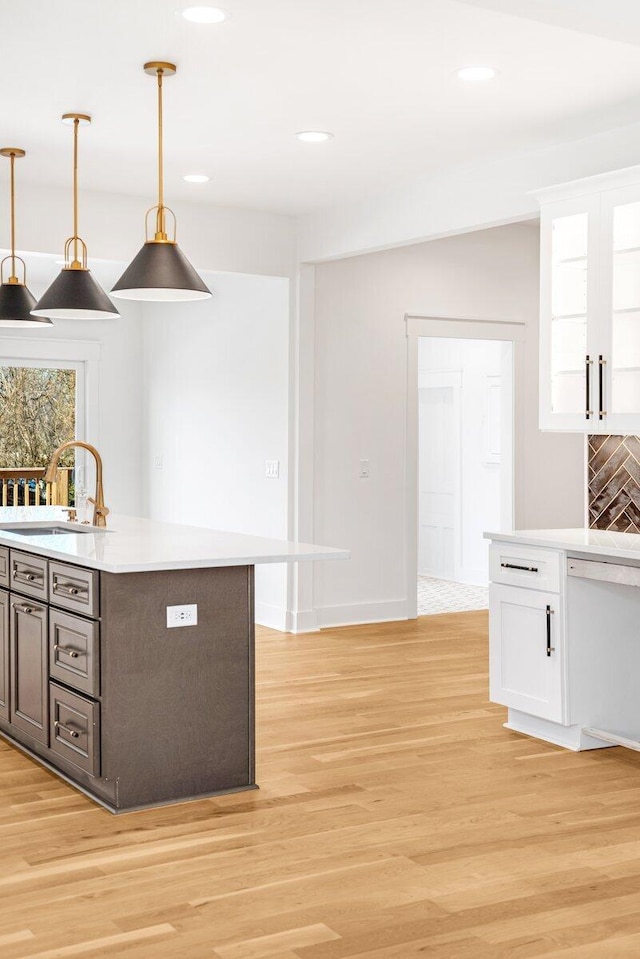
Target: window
(38, 412)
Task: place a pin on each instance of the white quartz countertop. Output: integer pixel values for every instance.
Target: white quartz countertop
(599, 541)
(131, 544)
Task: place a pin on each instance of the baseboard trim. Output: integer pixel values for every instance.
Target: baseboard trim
(359, 614)
(302, 621)
(312, 620)
(274, 617)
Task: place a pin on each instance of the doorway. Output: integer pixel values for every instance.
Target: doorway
(465, 425)
(465, 394)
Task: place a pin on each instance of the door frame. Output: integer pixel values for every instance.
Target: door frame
(450, 327)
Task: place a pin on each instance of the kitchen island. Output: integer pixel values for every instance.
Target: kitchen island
(564, 635)
(127, 653)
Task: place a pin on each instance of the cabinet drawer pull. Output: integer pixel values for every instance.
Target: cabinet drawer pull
(27, 609)
(72, 732)
(26, 577)
(550, 648)
(68, 590)
(73, 653)
(525, 569)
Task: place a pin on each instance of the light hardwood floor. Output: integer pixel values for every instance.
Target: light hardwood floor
(396, 818)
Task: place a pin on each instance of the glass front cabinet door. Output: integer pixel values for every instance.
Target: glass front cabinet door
(568, 315)
(590, 306)
(620, 367)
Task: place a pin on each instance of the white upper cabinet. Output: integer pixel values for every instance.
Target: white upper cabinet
(590, 305)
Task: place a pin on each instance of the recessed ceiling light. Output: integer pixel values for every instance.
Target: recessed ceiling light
(314, 136)
(476, 74)
(196, 178)
(205, 14)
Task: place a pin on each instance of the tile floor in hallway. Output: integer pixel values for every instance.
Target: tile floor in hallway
(445, 596)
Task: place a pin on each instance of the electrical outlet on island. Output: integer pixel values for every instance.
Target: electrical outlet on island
(182, 616)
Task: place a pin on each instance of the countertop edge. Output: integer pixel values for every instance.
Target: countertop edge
(526, 538)
(149, 567)
(144, 545)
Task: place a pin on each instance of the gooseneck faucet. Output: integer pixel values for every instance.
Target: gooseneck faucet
(100, 511)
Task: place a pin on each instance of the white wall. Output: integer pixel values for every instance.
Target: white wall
(216, 388)
(237, 241)
(213, 237)
(360, 404)
(117, 426)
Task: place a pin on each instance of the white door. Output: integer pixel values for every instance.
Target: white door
(439, 426)
(525, 628)
(569, 314)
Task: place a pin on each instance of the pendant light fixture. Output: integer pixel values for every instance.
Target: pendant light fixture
(160, 271)
(16, 302)
(75, 295)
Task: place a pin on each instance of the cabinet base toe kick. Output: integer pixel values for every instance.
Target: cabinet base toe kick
(102, 792)
(576, 738)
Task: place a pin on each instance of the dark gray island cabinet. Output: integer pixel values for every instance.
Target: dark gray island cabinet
(95, 686)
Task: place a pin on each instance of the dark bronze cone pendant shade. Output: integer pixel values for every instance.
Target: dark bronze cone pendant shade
(160, 271)
(16, 302)
(74, 294)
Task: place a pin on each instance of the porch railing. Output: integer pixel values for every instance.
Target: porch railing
(26, 487)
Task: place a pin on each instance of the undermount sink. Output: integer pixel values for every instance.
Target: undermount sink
(47, 529)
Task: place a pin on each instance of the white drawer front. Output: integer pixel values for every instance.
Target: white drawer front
(525, 566)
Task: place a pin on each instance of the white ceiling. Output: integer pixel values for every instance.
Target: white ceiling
(614, 19)
(378, 74)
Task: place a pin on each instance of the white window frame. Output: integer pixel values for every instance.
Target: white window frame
(83, 356)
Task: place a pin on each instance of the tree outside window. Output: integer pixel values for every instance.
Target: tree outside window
(37, 414)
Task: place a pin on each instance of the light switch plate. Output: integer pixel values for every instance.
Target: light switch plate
(272, 469)
(182, 616)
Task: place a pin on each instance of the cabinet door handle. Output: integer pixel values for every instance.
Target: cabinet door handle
(550, 648)
(73, 653)
(27, 609)
(72, 732)
(601, 365)
(588, 362)
(525, 569)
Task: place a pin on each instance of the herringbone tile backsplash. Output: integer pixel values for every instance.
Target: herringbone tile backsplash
(614, 483)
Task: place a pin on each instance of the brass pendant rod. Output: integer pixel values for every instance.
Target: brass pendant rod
(160, 223)
(12, 154)
(76, 125)
(13, 217)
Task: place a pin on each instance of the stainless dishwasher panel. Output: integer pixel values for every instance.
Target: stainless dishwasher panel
(604, 572)
(603, 637)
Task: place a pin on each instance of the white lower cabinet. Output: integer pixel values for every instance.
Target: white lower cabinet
(527, 651)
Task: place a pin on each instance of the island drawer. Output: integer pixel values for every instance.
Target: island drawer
(74, 651)
(525, 566)
(4, 566)
(75, 729)
(28, 575)
(74, 588)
